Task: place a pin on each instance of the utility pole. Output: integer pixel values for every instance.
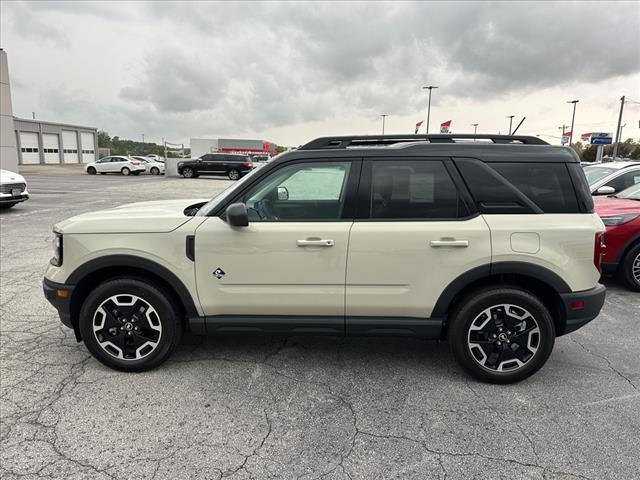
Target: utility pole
(615, 147)
(143, 138)
(430, 87)
(384, 116)
(510, 117)
(475, 128)
(33, 115)
(573, 118)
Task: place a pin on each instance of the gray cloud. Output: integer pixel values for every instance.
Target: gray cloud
(238, 67)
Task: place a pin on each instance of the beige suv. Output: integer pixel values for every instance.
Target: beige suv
(489, 242)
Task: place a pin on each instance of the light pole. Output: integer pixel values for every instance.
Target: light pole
(573, 118)
(475, 128)
(384, 116)
(510, 117)
(430, 87)
(618, 130)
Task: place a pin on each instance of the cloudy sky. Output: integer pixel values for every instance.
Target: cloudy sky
(289, 72)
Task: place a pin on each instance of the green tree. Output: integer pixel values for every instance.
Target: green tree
(104, 140)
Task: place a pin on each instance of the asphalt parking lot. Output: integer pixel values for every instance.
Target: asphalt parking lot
(296, 407)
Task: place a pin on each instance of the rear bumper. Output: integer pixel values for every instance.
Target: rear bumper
(578, 316)
(61, 303)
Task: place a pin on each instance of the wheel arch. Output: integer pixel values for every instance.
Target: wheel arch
(540, 281)
(89, 275)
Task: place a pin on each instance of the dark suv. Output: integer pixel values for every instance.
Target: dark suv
(233, 166)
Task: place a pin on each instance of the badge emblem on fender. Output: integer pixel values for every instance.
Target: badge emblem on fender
(218, 273)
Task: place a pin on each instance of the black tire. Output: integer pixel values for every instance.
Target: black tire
(233, 174)
(91, 171)
(630, 268)
(471, 310)
(136, 173)
(166, 317)
(188, 172)
(154, 171)
(125, 171)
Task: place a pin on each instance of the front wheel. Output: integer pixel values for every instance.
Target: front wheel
(187, 172)
(630, 269)
(130, 325)
(233, 174)
(91, 171)
(155, 171)
(501, 334)
(125, 171)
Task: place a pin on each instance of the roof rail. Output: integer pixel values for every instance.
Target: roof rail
(385, 140)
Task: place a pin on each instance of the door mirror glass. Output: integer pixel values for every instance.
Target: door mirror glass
(606, 190)
(237, 215)
(283, 193)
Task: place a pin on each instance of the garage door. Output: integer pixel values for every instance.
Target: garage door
(51, 148)
(29, 147)
(70, 145)
(88, 147)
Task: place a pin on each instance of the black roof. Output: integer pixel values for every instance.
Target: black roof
(488, 148)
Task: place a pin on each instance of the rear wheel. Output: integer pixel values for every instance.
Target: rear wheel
(233, 174)
(125, 171)
(155, 171)
(128, 324)
(501, 334)
(91, 171)
(630, 268)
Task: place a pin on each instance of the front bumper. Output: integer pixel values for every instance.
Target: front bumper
(59, 295)
(5, 198)
(582, 307)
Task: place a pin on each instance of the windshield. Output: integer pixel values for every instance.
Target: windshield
(632, 193)
(208, 207)
(597, 173)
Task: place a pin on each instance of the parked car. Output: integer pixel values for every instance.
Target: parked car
(232, 165)
(156, 158)
(151, 166)
(13, 189)
(389, 235)
(115, 164)
(621, 215)
(609, 178)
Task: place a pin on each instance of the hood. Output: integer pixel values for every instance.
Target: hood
(10, 177)
(612, 206)
(158, 216)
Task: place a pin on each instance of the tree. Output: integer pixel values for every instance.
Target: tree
(104, 140)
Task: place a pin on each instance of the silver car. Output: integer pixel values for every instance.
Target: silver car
(610, 178)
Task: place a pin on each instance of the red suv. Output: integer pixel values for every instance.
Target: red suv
(621, 214)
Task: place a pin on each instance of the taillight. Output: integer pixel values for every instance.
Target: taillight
(598, 250)
(134, 162)
(247, 165)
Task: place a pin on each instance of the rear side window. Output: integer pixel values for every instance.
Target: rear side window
(413, 190)
(548, 185)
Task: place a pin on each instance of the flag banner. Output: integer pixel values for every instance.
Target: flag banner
(418, 125)
(444, 126)
(565, 138)
(585, 137)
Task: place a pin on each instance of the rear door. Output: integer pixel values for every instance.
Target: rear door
(414, 233)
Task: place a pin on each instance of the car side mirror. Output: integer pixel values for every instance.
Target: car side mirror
(283, 193)
(606, 190)
(237, 215)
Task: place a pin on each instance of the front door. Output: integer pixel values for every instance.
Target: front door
(413, 236)
(290, 261)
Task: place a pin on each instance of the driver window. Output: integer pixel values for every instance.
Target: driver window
(307, 191)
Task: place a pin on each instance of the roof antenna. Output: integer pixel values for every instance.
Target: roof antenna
(521, 122)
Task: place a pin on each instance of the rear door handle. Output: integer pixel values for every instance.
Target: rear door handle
(449, 243)
(315, 243)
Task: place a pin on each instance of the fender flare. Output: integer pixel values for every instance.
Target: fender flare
(530, 270)
(110, 261)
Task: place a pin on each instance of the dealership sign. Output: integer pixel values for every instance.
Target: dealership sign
(600, 138)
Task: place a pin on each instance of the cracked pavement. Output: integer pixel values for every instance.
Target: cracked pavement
(298, 407)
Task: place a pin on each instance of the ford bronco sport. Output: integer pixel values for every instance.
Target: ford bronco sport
(488, 242)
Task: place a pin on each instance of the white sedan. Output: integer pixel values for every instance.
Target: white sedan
(153, 167)
(115, 164)
(13, 189)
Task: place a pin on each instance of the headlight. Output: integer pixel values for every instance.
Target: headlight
(180, 164)
(57, 250)
(615, 220)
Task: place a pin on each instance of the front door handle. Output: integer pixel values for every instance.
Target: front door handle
(315, 243)
(449, 243)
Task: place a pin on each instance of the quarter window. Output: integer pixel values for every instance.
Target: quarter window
(413, 190)
(306, 191)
